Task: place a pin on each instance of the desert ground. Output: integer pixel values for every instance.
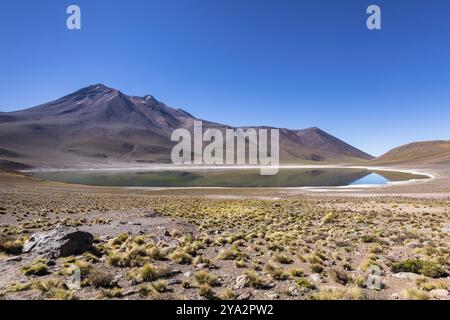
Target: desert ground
(390, 242)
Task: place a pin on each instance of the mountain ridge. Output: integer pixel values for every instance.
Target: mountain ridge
(436, 152)
(101, 125)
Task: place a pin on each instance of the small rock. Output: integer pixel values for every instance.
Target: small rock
(406, 275)
(130, 291)
(202, 265)
(167, 242)
(104, 238)
(245, 296)
(270, 285)
(187, 274)
(272, 296)
(117, 281)
(172, 282)
(135, 282)
(171, 273)
(151, 214)
(241, 281)
(395, 296)
(413, 245)
(293, 291)
(446, 229)
(14, 259)
(439, 293)
(316, 277)
(392, 257)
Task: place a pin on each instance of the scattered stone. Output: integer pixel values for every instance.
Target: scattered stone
(241, 281)
(413, 245)
(392, 257)
(105, 238)
(170, 273)
(270, 285)
(60, 242)
(202, 265)
(406, 275)
(187, 274)
(293, 291)
(130, 291)
(118, 281)
(14, 259)
(272, 296)
(172, 282)
(135, 223)
(151, 214)
(135, 282)
(245, 296)
(439, 293)
(316, 277)
(446, 229)
(167, 242)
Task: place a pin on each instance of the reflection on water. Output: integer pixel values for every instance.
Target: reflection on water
(371, 178)
(228, 178)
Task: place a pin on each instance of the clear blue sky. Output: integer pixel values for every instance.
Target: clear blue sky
(291, 64)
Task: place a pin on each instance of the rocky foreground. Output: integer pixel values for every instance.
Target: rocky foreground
(131, 244)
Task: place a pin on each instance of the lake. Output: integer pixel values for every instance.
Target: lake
(323, 177)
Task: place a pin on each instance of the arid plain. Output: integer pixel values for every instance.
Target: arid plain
(390, 242)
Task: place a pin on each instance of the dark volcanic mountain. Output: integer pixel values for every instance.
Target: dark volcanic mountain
(98, 125)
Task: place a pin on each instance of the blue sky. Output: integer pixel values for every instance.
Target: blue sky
(291, 64)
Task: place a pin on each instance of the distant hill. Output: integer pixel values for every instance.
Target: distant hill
(101, 125)
(427, 152)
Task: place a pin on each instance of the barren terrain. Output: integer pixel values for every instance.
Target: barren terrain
(388, 242)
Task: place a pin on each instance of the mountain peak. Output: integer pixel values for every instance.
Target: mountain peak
(314, 129)
(99, 86)
(94, 90)
(150, 98)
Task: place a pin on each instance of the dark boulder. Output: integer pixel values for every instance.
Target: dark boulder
(60, 242)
